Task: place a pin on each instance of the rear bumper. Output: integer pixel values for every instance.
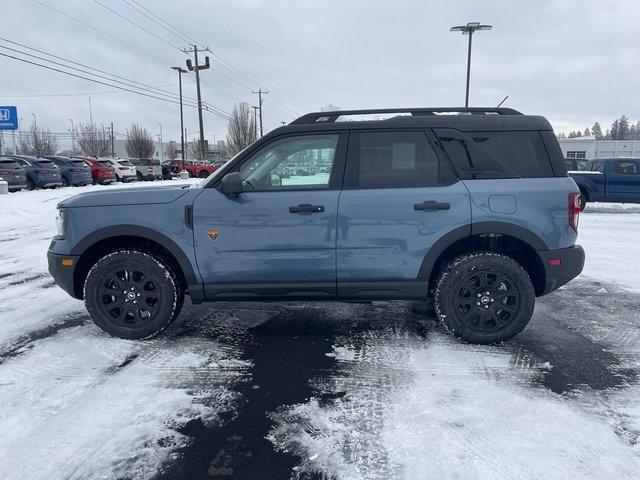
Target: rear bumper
(561, 266)
(62, 275)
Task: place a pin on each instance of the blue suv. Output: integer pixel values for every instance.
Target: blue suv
(473, 209)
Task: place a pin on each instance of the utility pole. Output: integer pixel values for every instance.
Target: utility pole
(113, 143)
(283, 123)
(161, 147)
(90, 113)
(197, 69)
(261, 92)
(73, 138)
(469, 29)
(255, 120)
(180, 72)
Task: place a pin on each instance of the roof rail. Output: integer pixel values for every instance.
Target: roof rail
(316, 117)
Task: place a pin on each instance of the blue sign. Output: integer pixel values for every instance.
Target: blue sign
(8, 118)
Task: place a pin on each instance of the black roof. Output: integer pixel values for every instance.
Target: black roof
(469, 119)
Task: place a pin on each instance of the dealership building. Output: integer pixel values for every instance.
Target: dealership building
(589, 148)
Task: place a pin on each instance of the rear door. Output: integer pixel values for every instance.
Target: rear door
(400, 196)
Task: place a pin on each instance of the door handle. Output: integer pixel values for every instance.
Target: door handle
(306, 208)
(432, 205)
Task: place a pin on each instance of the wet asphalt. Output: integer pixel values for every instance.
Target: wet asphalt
(577, 332)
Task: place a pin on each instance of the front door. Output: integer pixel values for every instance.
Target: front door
(399, 198)
(277, 237)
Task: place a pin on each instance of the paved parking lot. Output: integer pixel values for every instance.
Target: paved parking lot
(319, 390)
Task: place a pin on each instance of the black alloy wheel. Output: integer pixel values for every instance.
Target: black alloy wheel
(131, 294)
(484, 297)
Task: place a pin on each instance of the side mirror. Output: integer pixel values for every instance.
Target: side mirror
(232, 184)
(276, 181)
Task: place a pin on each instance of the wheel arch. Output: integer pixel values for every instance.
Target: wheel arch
(502, 237)
(102, 241)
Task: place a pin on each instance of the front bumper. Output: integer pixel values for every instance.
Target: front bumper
(561, 266)
(63, 274)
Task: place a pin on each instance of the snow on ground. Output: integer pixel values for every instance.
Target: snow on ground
(414, 408)
(611, 244)
(410, 404)
(67, 397)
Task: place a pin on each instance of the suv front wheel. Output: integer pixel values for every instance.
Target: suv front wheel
(131, 294)
(484, 297)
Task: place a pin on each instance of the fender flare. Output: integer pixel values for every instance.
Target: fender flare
(142, 232)
(480, 228)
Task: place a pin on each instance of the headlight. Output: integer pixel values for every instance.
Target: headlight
(60, 222)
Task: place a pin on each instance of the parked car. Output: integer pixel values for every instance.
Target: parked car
(609, 180)
(125, 170)
(475, 211)
(147, 168)
(577, 165)
(101, 172)
(199, 169)
(13, 173)
(41, 172)
(73, 171)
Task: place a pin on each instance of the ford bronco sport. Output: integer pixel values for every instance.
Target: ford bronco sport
(469, 206)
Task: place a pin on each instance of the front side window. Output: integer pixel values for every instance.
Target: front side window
(395, 159)
(289, 163)
(625, 167)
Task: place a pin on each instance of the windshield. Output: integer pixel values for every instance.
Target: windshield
(125, 163)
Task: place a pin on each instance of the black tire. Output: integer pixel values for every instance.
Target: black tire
(203, 174)
(484, 297)
(30, 184)
(139, 176)
(144, 278)
(65, 181)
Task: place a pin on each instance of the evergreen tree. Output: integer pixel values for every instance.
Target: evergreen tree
(614, 131)
(587, 132)
(578, 134)
(607, 136)
(623, 128)
(596, 131)
(633, 133)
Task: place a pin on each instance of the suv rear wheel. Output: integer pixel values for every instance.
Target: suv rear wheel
(484, 297)
(131, 294)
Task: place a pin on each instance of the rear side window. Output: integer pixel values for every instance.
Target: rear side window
(514, 154)
(625, 167)
(395, 159)
(106, 163)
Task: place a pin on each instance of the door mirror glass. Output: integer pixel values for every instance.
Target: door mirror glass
(232, 184)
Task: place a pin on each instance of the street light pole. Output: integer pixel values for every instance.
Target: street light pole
(180, 72)
(469, 29)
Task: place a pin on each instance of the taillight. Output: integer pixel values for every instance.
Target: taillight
(4, 172)
(574, 210)
(149, 169)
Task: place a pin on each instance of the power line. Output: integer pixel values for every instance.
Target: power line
(135, 24)
(102, 32)
(126, 80)
(150, 15)
(164, 99)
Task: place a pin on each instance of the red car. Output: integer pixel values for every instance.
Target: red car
(102, 172)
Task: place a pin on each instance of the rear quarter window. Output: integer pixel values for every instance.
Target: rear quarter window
(506, 154)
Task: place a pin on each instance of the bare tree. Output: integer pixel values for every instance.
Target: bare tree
(241, 129)
(37, 142)
(139, 142)
(93, 141)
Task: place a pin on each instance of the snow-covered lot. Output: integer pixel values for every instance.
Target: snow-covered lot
(347, 391)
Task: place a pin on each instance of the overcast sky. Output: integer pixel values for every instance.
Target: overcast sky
(573, 61)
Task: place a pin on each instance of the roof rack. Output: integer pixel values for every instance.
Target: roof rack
(329, 117)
